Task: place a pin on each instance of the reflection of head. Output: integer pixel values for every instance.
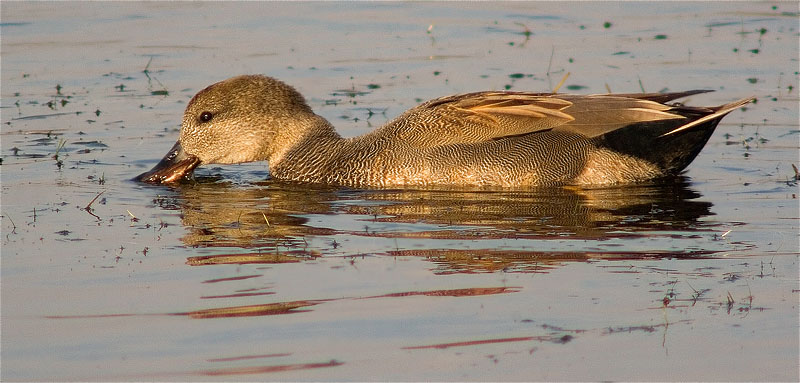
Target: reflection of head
(248, 216)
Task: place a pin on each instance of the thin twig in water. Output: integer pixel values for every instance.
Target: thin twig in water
(146, 72)
(88, 207)
(147, 67)
(13, 226)
(695, 295)
(731, 301)
(61, 143)
(94, 199)
(433, 39)
(552, 52)
(564, 79)
(133, 217)
(527, 33)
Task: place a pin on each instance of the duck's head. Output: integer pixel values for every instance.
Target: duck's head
(241, 119)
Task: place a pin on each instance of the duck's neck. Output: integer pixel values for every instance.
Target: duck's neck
(306, 153)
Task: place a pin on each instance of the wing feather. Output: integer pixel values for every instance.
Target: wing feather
(599, 114)
(479, 117)
(484, 116)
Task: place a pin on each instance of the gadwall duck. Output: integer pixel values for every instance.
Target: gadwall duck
(504, 139)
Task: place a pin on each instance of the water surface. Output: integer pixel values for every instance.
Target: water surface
(238, 277)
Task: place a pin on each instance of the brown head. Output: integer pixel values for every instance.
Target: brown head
(241, 119)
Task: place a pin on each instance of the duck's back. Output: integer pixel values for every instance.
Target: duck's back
(522, 139)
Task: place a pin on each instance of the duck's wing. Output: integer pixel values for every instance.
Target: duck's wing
(660, 97)
(595, 115)
(478, 117)
(484, 116)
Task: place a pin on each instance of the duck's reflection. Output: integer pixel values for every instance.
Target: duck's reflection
(545, 212)
(276, 214)
(274, 222)
(218, 214)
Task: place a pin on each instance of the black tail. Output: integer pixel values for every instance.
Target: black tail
(670, 144)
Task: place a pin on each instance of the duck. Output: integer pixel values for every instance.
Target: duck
(488, 138)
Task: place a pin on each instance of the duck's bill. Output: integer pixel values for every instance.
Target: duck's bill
(174, 167)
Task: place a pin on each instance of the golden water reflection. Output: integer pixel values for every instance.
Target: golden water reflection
(279, 215)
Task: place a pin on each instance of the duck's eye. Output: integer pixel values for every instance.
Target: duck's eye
(206, 116)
